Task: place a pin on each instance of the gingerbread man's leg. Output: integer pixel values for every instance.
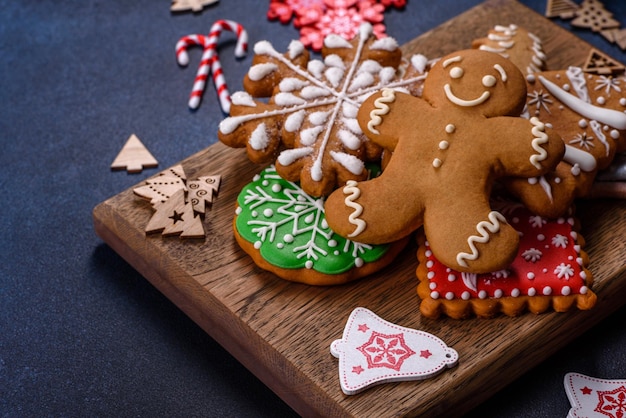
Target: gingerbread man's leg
(473, 239)
(372, 213)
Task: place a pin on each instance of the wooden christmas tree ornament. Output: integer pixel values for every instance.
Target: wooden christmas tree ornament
(600, 63)
(134, 157)
(193, 5)
(592, 15)
(565, 9)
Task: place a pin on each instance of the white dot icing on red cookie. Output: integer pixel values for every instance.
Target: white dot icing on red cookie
(548, 263)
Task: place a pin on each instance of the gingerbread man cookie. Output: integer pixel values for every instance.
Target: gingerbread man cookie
(449, 147)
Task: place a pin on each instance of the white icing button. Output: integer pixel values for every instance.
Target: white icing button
(450, 128)
(498, 293)
(254, 213)
(429, 264)
(451, 277)
(615, 134)
(434, 295)
(444, 145)
(566, 290)
(332, 243)
(308, 264)
(276, 188)
(465, 295)
(238, 210)
(432, 286)
(268, 213)
(280, 245)
(532, 291)
(541, 237)
(482, 294)
(265, 183)
(622, 101)
(437, 163)
(583, 290)
(288, 238)
(515, 292)
(456, 72)
(547, 290)
(489, 81)
(358, 262)
(582, 123)
(449, 295)
(601, 100)
(530, 275)
(430, 275)
(257, 244)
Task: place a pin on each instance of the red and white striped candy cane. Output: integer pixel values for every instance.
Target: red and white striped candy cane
(210, 62)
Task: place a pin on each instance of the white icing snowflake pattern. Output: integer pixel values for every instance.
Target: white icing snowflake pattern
(608, 83)
(539, 99)
(304, 213)
(532, 255)
(536, 221)
(564, 271)
(312, 111)
(560, 241)
(583, 141)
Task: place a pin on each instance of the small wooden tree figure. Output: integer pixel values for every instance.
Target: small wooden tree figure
(592, 15)
(565, 9)
(201, 192)
(134, 157)
(194, 5)
(599, 63)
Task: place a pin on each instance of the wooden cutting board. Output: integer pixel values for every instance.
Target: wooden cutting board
(282, 331)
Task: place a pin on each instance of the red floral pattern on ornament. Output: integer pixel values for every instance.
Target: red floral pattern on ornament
(612, 403)
(388, 351)
(318, 18)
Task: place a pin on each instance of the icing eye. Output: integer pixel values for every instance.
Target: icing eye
(489, 81)
(456, 72)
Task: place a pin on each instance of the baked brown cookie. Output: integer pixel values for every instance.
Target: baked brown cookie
(549, 273)
(448, 148)
(587, 110)
(307, 127)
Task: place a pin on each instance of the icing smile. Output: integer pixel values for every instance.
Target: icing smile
(456, 100)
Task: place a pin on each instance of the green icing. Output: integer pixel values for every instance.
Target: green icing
(289, 228)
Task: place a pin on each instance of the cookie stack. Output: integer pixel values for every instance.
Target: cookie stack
(482, 152)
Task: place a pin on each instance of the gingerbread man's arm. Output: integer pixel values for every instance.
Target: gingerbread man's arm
(384, 115)
(373, 211)
(536, 150)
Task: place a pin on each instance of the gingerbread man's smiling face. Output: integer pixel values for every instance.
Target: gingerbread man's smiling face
(476, 81)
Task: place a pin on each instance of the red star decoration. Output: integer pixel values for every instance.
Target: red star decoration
(363, 327)
(425, 353)
(586, 390)
(357, 369)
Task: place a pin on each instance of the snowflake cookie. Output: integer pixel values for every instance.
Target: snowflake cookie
(308, 125)
(550, 271)
(285, 231)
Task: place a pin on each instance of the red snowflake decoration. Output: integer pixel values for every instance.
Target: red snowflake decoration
(388, 351)
(318, 18)
(612, 403)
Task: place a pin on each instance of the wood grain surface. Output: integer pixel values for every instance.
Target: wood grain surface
(282, 331)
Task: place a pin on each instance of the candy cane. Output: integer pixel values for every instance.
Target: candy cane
(210, 62)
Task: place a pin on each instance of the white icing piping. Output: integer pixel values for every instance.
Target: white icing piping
(483, 228)
(466, 103)
(380, 108)
(499, 68)
(609, 117)
(597, 129)
(353, 193)
(540, 138)
(580, 158)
